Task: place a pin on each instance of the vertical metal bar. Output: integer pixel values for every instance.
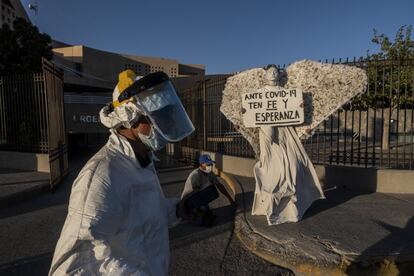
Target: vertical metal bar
(374, 134)
(345, 135)
(38, 109)
(318, 150)
(10, 121)
(40, 87)
(359, 137)
(390, 114)
(324, 142)
(352, 138)
(352, 131)
(412, 118)
(217, 108)
(405, 115)
(204, 115)
(338, 135)
(46, 99)
(8, 95)
(16, 112)
(27, 107)
(2, 114)
(367, 126)
(398, 115)
(29, 90)
(382, 117)
(331, 132)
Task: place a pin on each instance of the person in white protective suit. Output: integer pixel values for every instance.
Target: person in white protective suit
(286, 181)
(118, 217)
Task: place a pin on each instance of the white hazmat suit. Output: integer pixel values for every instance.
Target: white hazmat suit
(118, 217)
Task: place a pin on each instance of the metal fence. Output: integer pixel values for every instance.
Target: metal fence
(373, 130)
(32, 116)
(23, 120)
(214, 132)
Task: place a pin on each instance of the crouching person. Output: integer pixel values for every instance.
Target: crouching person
(198, 180)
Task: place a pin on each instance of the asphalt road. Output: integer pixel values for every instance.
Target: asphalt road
(29, 232)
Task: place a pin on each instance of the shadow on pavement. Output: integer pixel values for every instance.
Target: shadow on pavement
(34, 266)
(48, 198)
(333, 199)
(400, 241)
(187, 232)
(43, 200)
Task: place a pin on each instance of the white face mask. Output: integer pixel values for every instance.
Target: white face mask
(152, 140)
(208, 169)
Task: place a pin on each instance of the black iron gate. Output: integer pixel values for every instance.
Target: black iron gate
(374, 130)
(57, 140)
(32, 117)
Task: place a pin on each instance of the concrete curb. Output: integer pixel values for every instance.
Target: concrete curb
(275, 253)
(30, 192)
(353, 178)
(24, 195)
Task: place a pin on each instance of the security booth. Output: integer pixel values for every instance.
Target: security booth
(32, 126)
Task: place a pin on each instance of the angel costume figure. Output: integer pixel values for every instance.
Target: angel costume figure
(286, 181)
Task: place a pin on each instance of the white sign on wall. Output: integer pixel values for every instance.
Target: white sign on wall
(273, 106)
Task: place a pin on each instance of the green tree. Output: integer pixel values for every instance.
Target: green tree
(401, 48)
(390, 79)
(390, 72)
(22, 48)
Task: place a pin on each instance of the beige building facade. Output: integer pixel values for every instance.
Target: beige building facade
(90, 76)
(88, 66)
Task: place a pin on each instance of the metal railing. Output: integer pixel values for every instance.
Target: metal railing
(23, 117)
(32, 117)
(373, 130)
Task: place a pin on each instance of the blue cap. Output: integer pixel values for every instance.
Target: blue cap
(205, 159)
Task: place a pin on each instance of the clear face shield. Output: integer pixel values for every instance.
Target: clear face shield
(155, 95)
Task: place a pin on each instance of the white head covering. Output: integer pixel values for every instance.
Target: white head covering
(124, 115)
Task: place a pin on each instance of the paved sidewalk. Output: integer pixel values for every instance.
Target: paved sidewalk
(347, 233)
(20, 185)
(197, 250)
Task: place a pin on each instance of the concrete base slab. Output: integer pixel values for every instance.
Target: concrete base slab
(347, 233)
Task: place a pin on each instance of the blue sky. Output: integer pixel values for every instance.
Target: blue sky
(225, 35)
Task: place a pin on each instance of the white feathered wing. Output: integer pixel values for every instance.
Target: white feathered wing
(326, 88)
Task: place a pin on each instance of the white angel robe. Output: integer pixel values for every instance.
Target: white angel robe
(286, 181)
